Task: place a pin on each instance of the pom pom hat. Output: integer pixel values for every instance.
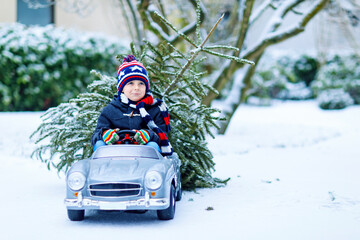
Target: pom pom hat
(131, 70)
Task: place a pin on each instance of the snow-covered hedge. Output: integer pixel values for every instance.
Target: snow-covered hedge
(284, 77)
(41, 67)
(305, 69)
(299, 77)
(339, 73)
(334, 99)
(267, 83)
(353, 88)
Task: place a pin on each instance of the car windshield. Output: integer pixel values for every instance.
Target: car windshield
(121, 151)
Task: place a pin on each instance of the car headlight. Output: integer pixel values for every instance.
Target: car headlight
(76, 181)
(153, 180)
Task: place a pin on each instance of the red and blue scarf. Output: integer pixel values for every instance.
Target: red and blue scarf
(141, 105)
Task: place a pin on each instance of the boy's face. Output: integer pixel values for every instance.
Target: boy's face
(135, 90)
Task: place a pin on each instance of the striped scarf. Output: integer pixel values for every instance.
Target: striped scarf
(148, 100)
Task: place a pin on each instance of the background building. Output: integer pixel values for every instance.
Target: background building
(97, 16)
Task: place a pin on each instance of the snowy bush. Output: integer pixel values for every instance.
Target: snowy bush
(334, 99)
(284, 77)
(292, 78)
(353, 88)
(267, 83)
(41, 67)
(295, 91)
(340, 72)
(305, 69)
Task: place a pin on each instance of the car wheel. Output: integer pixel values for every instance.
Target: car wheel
(76, 215)
(169, 212)
(179, 192)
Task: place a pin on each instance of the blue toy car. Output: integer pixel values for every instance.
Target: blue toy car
(125, 176)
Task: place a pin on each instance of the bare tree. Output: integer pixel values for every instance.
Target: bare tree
(241, 17)
(144, 19)
(272, 36)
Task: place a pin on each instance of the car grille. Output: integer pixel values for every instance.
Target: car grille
(115, 189)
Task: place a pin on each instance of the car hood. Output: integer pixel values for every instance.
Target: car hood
(120, 170)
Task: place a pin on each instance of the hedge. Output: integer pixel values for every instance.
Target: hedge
(40, 67)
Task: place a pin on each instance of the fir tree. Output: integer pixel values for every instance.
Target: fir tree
(175, 79)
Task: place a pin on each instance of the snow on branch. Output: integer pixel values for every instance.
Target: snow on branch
(185, 30)
(179, 33)
(279, 36)
(152, 17)
(259, 11)
(236, 59)
(281, 12)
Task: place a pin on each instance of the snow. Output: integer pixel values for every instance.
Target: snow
(294, 172)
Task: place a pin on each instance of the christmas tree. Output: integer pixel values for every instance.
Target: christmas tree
(176, 79)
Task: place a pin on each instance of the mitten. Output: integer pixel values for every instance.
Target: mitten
(110, 136)
(142, 136)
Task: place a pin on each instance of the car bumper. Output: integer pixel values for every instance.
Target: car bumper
(144, 203)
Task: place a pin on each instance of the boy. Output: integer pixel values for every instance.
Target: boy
(134, 108)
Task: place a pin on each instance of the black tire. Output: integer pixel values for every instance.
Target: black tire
(179, 192)
(168, 213)
(76, 215)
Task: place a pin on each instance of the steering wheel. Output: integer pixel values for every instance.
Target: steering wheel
(126, 137)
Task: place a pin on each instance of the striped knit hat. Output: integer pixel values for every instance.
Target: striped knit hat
(131, 70)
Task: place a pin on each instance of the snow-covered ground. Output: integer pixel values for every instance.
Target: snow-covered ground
(294, 175)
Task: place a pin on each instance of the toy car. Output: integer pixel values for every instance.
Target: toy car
(125, 176)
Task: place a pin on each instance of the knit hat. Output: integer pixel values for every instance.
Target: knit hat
(131, 70)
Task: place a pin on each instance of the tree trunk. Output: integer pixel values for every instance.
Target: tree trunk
(250, 72)
(247, 79)
(234, 105)
(228, 69)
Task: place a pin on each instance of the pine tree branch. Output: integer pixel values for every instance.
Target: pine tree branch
(236, 59)
(179, 33)
(153, 20)
(161, 7)
(221, 47)
(194, 55)
(190, 28)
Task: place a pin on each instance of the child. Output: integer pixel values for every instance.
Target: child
(134, 108)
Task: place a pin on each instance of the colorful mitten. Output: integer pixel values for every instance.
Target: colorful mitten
(110, 136)
(142, 136)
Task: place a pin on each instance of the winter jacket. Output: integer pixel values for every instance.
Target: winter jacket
(120, 115)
